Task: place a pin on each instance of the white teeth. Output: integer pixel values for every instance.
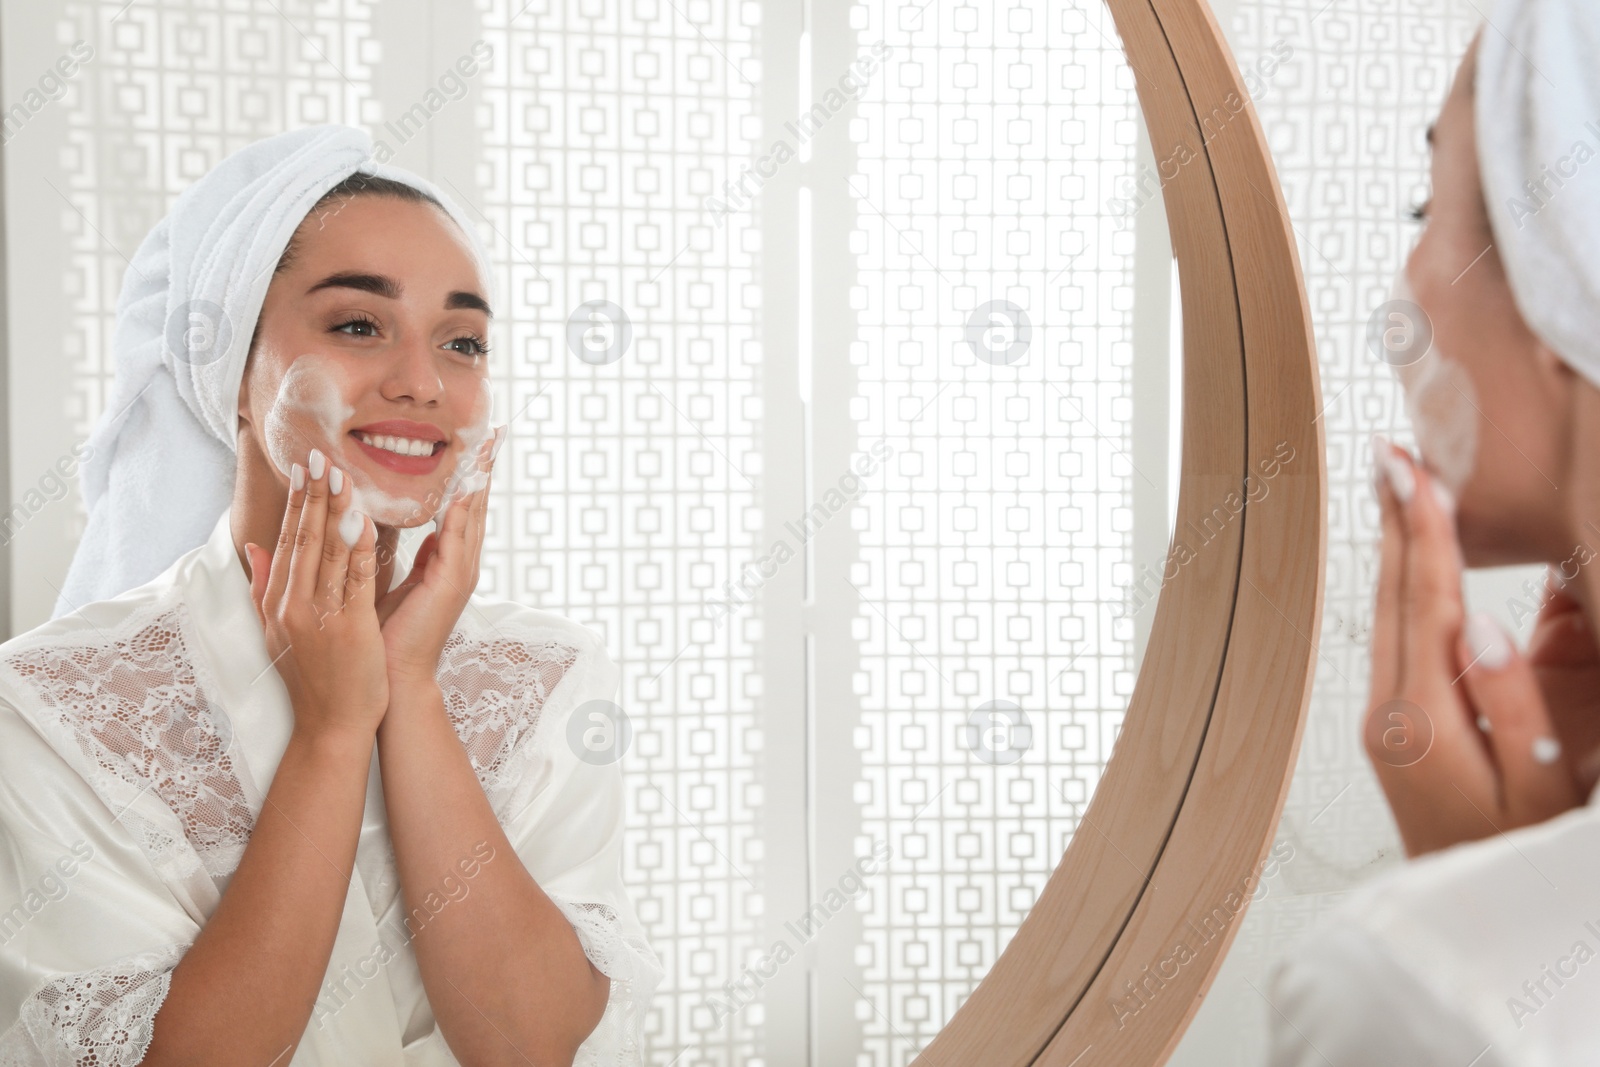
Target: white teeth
(404, 446)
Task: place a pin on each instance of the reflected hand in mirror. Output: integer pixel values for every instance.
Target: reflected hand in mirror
(1566, 661)
(1456, 726)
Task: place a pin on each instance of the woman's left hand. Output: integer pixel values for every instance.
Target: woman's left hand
(1437, 675)
(417, 615)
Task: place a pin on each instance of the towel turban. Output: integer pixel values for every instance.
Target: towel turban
(1537, 118)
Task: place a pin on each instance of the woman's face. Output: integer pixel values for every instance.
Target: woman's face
(371, 348)
(1489, 402)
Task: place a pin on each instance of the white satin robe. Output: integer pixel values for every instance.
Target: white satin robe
(1486, 953)
(137, 739)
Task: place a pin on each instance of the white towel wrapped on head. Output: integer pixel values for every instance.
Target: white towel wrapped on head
(1537, 117)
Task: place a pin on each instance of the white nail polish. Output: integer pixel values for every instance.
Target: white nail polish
(1400, 476)
(1446, 499)
(335, 480)
(297, 477)
(1546, 749)
(1488, 642)
(352, 524)
(317, 462)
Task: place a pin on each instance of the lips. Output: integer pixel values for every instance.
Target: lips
(393, 460)
(426, 431)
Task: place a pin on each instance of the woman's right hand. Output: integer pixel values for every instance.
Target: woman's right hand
(314, 596)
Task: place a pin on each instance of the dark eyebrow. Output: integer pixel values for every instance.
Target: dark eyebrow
(385, 286)
(381, 284)
(459, 299)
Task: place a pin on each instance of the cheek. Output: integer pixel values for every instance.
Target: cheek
(473, 432)
(1443, 405)
(309, 410)
(482, 404)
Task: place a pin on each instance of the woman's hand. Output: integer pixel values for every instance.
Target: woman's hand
(314, 597)
(1456, 727)
(418, 614)
(1566, 662)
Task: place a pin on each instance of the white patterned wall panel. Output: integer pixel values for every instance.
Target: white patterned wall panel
(633, 487)
(994, 561)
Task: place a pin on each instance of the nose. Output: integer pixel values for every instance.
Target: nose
(413, 373)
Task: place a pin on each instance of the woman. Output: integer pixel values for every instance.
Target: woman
(267, 795)
(1481, 948)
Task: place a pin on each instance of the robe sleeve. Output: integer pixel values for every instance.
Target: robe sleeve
(89, 932)
(570, 837)
(1341, 999)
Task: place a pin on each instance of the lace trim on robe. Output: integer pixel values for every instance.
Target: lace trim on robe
(634, 970)
(133, 702)
(99, 1018)
(495, 688)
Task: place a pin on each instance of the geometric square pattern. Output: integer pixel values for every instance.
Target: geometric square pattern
(994, 350)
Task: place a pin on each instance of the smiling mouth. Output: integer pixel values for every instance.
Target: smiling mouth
(399, 446)
(405, 455)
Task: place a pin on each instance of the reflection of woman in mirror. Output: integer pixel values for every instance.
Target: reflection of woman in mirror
(267, 794)
(1484, 948)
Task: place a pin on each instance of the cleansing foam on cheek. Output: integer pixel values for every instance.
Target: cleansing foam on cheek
(310, 411)
(467, 478)
(308, 396)
(1442, 404)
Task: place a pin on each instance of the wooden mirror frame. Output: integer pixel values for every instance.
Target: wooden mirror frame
(1115, 956)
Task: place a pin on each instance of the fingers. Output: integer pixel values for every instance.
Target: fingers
(284, 551)
(461, 529)
(335, 550)
(419, 562)
(1561, 634)
(1386, 633)
(1535, 779)
(361, 576)
(1563, 640)
(1431, 608)
(480, 501)
(305, 564)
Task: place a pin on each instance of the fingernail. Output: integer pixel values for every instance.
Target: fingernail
(1487, 641)
(1546, 749)
(297, 477)
(318, 461)
(1380, 453)
(1442, 494)
(351, 526)
(1401, 479)
(335, 480)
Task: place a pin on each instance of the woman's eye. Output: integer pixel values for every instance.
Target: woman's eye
(368, 323)
(475, 346)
